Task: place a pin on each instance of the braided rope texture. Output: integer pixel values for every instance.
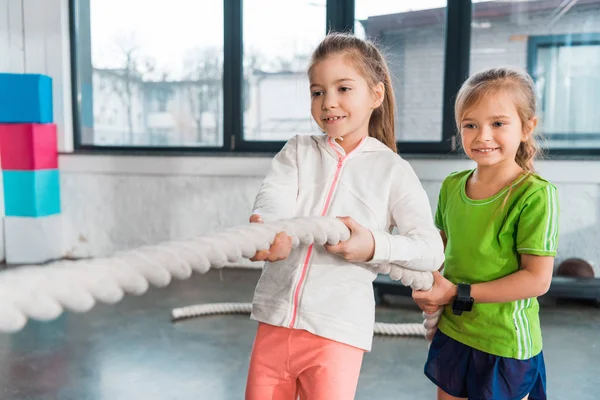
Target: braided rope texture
(45, 292)
(201, 310)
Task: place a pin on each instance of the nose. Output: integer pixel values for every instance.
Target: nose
(329, 102)
(485, 134)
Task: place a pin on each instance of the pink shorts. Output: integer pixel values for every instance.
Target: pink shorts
(287, 363)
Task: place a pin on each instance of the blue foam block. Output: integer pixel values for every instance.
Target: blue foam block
(25, 98)
(31, 193)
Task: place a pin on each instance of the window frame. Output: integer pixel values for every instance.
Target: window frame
(548, 41)
(339, 17)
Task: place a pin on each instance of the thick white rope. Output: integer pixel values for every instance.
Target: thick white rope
(201, 310)
(430, 323)
(45, 292)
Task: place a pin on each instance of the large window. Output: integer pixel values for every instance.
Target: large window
(558, 42)
(230, 75)
(151, 73)
(567, 72)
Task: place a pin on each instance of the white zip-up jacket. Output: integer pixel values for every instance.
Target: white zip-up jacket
(318, 291)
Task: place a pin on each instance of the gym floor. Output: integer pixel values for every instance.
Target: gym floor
(132, 351)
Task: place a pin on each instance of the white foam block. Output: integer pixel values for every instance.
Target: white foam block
(33, 240)
(2, 255)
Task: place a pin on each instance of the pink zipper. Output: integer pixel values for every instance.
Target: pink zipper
(309, 252)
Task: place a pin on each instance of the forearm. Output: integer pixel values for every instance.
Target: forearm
(276, 198)
(421, 251)
(272, 206)
(520, 285)
(418, 244)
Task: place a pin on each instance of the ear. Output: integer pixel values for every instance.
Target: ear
(529, 128)
(378, 94)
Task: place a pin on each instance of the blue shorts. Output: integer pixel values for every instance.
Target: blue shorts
(462, 371)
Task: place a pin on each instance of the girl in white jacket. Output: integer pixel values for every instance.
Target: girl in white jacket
(315, 305)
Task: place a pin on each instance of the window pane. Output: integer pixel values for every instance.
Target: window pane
(412, 36)
(570, 94)
(153, 76)
(277, 47)
(560, 44)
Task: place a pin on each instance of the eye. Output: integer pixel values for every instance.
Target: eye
(498, 124)
(316, 93)
(345, 89)
(469, 126)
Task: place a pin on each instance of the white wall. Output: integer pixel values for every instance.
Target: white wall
(116, 202)
(34, 38)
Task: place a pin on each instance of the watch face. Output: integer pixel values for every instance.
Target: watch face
(460, 305)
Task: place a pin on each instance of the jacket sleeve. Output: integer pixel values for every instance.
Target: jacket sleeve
(418, 244)
(278, 192)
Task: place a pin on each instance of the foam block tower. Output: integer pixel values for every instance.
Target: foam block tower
(30, 174)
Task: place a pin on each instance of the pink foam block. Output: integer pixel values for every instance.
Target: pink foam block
(28, 146)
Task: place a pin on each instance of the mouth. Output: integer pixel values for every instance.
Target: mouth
(486, 150)
(332, 120)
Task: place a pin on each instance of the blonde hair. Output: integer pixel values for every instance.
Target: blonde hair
(520, 86)
(369, 61)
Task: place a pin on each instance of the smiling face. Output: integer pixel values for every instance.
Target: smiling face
(492, 130)
(341, 100)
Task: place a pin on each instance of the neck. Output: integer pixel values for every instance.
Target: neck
(350, 141)
(497, 173)
(347, 144)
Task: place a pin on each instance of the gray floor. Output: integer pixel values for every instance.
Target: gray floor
(133, 351)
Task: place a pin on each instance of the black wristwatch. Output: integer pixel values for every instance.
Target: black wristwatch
(463, 301)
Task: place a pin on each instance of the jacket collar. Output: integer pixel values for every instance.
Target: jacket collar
(368, 144)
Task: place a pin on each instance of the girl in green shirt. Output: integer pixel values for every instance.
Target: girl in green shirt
(499, 223)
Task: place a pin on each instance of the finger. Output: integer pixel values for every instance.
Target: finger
(348, 256)
(434, 315)
(426, 304)
(281, 247)
(273, 254)
(256, 219)
(430, 309)
(279, 254)
(437, 276)
(286, 248)
(281, 241)
(260, 255)
(418, 295)
(282, 237)
(339, 248)
(272, 257)
(423, 307)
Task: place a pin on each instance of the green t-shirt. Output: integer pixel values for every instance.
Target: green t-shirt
(485, 238)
